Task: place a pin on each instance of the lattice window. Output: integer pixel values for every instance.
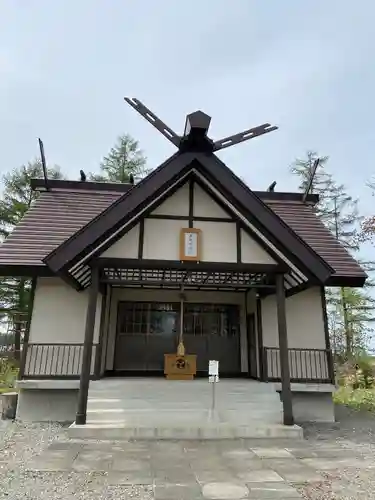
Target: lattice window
(211, 319)
(159, 318)
(143, 318)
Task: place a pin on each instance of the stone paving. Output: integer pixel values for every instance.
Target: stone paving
(192, 470)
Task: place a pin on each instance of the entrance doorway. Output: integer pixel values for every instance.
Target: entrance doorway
(148, 330)
(145, 332)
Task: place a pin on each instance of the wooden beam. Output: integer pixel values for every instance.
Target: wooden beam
(238, 242)
(87, 349)
(177, 284)
(141, 238)
(226, 267)
(286, 393)
(187, 218)
(191, 202)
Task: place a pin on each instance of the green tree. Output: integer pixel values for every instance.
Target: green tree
(342, 219)
(321, 185)
(123, 160)
(16, 199)
(18, 196)
(339, 213)
(368, 224)
(302, 168)
(342, 216)
(358, 320)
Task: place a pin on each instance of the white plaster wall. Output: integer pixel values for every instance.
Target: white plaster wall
(177, 204)
(162, 239)
(205, 206)
(219, 242)
(121, 294)
(304, 316)
(59, 313)
(305, 326)
(252, 252)
(59, 317)
(126, 247)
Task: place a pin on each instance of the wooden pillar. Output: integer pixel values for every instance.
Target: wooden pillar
(248, 352)
(330, 363)
(99, 347)
(27, 330)
(107, 325)
(87, 348)
(286, 393)
(262, 366)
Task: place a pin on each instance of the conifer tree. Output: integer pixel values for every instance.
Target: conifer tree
(16, 199)
(124, 160)
(339, 213)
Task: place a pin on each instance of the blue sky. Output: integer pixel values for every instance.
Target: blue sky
(308, 67)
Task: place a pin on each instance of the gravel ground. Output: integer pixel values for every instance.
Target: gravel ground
(356, 430)
(353, 425)
(20, 444)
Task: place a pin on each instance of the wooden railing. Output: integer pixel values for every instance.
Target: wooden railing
(305, 365)
(54, 360)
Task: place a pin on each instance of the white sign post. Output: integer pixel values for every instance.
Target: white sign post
(213, 377)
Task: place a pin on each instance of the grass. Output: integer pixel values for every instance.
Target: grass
(8, 375)
(359, 399)
(4, 390)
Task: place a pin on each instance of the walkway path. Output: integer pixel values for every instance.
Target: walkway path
(204, 470)
(38, 462)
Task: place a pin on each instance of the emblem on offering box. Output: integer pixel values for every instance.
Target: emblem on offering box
(190, 242)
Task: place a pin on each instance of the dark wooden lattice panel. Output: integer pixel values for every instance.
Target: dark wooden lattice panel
(182, 277)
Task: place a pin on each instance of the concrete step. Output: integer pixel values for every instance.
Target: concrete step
(262, 388)
(168, 405)
(126, 388)
(182, 397)
(115, 431)
(176, 417)
(160, 409)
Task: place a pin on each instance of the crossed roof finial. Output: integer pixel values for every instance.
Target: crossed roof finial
(195, 133)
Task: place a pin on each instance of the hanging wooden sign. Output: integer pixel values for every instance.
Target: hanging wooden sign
(190, 244)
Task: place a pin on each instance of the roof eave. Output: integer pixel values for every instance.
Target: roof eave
(269, 196)
(76, 246)
(60, 257)
(25, 271)
(234, 185)
(69, 185)
(347, 281)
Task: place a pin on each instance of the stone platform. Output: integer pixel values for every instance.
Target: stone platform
(147, 408)
(202, 470)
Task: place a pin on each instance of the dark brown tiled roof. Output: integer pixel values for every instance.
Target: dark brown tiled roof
(57, 214)
(53, 218)
(302, 219)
